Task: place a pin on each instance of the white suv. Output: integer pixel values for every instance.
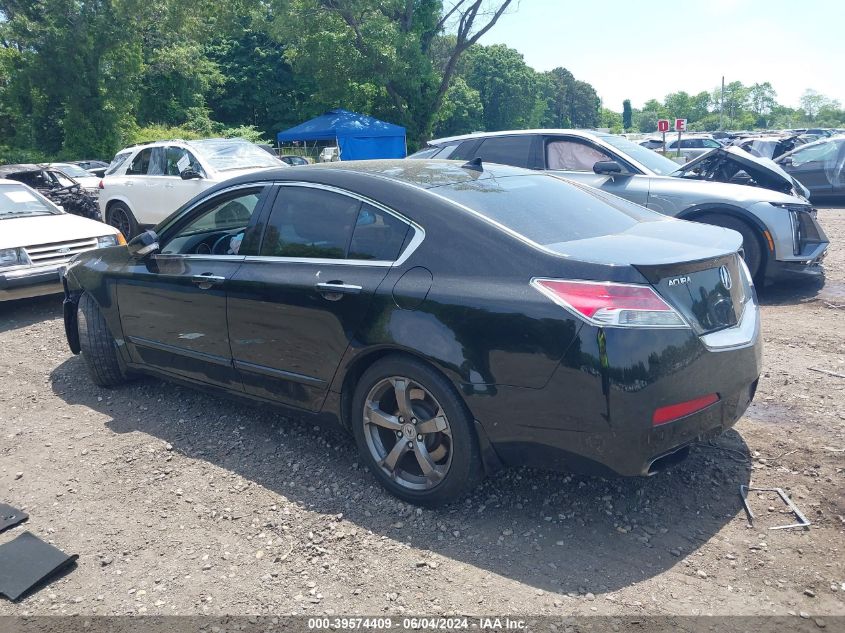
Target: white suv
(146, 183)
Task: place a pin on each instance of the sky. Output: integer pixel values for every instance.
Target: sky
(644, 49)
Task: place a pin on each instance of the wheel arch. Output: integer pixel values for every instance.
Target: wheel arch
(490, 460)
(757, 226)
(363, 361)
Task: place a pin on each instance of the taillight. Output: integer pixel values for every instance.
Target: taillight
(101, 185)
(682, 409)
(607, 303)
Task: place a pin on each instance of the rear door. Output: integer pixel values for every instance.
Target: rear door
(574, 158)
(297, 301)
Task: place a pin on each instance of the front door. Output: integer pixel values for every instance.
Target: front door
(296, 304)
(173, 304)
(574, 159)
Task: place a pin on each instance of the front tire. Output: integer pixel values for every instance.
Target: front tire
(415, 433)
(751, 243)
(98, 347)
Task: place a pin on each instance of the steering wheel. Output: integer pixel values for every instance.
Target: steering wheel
(220, 245)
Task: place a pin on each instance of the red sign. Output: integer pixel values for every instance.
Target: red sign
(663, 125)
(680, 125)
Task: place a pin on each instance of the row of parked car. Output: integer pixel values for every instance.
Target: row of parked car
(533, 300)
(814, 157)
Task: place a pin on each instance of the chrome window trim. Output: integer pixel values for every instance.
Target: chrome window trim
(416, 240)
(413, 245)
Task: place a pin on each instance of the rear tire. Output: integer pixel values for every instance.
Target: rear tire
(120, 217)
(751, 241)
(98, 347)
(438, 459)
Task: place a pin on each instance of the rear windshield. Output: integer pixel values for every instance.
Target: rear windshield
(17, 201)
(545, 209)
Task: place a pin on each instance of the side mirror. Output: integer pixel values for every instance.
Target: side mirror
(786, 162)
(144, 244)
(607, 167)
(190, 174)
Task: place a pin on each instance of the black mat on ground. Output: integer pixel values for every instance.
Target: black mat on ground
(26, 562)
(10, 517)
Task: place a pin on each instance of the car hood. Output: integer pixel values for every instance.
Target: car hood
(46, 229)
(658, 242)
(764, 172)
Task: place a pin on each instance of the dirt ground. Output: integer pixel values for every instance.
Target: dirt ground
(178, 502)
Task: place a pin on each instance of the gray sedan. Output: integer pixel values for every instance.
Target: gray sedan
(725, 187)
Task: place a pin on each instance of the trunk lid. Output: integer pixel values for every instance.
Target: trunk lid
(735, 165)
(710, 294)
(694, 267)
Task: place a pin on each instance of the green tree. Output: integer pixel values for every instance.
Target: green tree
(380, 54)
(627, 115)
(812, 103)
(462, 111)
(611, 120)
(506, 85)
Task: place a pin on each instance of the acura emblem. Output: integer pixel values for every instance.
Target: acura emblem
(725, 276)
(64, 249)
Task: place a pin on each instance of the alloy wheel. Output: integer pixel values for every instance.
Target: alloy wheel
(407, 433)
(119, 220)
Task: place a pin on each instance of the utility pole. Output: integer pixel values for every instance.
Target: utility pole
(722, 105)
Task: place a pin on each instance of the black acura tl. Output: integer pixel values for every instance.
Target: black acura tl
(455, 317)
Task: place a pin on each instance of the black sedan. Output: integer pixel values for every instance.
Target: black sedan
(455, 317)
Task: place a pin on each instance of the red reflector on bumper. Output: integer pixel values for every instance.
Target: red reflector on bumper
(675, 411)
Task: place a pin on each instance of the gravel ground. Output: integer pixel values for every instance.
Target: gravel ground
(180, 502)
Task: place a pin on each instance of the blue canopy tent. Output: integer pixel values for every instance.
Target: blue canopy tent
(358, 136)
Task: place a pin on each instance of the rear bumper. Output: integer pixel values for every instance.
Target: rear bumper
(597, 417)
(30, 282)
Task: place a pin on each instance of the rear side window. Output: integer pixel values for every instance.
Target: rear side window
(310, 223)
(378, 235)
(505, 150)
(545, 209)
(140, 163)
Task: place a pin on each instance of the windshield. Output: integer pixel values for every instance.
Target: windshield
(17, 201)
(650, 159)
(546, 209)
(228, 154)
(73, 171)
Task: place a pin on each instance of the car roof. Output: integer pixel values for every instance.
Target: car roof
(423, 173)
(473, 135)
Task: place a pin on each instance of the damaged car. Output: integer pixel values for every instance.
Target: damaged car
(820, 167)
(725, 187)
(57, 186)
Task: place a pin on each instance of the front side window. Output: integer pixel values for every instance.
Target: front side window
(573, 156)
(310, 223)
(815, 153)
(219, 229)
(178, 159)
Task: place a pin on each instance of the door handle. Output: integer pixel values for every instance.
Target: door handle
(333, 290)
(207, 280)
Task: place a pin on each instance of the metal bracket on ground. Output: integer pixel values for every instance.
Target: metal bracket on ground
(803, 522)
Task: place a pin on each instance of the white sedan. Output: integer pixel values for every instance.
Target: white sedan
(38, 239)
